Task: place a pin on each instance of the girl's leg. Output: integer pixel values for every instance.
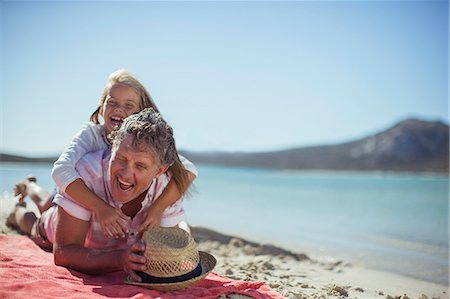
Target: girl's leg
(41, 197)
(20, 189)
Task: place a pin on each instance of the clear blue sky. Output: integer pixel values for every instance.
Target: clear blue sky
(227, 75)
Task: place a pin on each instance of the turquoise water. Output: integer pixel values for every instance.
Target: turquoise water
(387, 221)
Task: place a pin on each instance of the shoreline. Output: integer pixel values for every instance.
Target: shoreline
(358, 253)
(298, 275)
(374, 257)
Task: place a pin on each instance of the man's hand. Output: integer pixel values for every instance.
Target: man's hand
(135, 261)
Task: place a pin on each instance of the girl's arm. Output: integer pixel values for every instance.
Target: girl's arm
(68, 180)
(111, 220)
(69, 250)
(88, 139)
(153, 215)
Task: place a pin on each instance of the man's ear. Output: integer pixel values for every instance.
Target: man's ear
(162, 170)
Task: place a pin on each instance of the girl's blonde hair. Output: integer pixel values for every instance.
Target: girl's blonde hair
(179, 173)
(125, 78)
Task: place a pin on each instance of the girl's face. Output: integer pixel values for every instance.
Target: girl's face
(121, 102)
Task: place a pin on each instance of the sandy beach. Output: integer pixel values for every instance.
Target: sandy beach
(296, 275)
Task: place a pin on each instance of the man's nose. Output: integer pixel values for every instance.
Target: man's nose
(126, 171)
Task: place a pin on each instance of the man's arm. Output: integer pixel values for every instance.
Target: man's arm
(69, 250)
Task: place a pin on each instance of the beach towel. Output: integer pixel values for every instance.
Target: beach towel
(27, 271)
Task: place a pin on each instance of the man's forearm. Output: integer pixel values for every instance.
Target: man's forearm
(89, 261)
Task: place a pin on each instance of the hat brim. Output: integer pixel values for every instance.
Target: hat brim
(207, 261)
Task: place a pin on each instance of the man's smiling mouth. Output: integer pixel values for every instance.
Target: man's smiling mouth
(124, 185)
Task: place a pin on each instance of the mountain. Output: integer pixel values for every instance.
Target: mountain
(411, 145)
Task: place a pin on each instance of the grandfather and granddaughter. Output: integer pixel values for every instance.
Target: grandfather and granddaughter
(129, 177)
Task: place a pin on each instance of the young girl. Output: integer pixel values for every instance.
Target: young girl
(123, 95)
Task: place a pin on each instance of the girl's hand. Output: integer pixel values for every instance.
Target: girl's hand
(112, 221)
(134, 260)
(152, 218)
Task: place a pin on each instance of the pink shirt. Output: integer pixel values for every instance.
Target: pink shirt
(94, 170)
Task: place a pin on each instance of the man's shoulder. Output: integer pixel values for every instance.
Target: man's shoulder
(92, 163)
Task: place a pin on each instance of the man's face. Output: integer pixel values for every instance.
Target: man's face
(131, 171)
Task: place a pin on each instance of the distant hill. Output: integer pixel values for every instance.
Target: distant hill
(411, 145)
(15, 158)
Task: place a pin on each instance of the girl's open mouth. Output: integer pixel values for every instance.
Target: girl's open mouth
(116, 121)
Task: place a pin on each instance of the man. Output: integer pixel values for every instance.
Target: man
(130, 177)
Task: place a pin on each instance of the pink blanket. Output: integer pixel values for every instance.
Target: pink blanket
(26, 271)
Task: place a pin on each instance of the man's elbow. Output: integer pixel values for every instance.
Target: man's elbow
(60, 257)
(69, 258)
(66, 257)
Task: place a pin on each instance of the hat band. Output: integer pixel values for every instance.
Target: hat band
(146, 278)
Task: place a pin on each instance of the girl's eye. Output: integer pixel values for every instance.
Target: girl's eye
(130, 107)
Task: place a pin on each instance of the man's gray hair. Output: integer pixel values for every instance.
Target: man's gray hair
(150, 132)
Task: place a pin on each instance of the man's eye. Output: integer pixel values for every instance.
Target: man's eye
(141, 166)
(120, 159)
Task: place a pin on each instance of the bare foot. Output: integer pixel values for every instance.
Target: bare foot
(20, 189)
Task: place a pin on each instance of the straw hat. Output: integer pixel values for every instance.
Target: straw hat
(173, 260)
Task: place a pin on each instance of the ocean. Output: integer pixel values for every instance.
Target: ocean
(394, 222)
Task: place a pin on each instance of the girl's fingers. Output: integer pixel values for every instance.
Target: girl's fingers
(150, 224)
(123, 226)
(114, 230)
(108, 232)
(153, 224)
(144, 225)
